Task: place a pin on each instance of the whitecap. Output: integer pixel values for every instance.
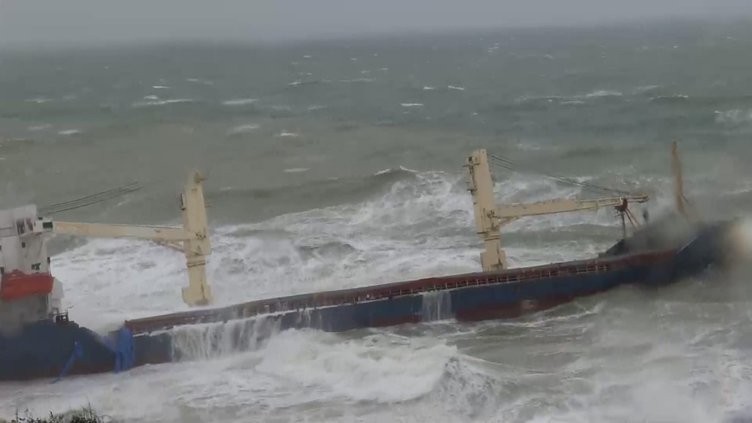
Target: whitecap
(357, 80)
(670, 97)
(161, 102)
(297, 170)
(645, 88)
(239, 101)
(288, 134)
(199, 81)
(411, 104)
(160, 87)
(733, 117)
(307, 56)
(39, 100)
(69, 132)
(243, 129)
(389, 170)
(151, 97)
(526, 98)
(39, 127)
(529, 146)
(407, 169)
(455, 87)
(603, 93)
(574, 99)
(428, 88)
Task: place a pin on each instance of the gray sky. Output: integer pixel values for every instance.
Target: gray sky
(50, 22)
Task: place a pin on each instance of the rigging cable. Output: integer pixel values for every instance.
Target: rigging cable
(90, 199)
(508, 164)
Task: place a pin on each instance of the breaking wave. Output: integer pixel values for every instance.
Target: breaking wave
(603, 93)
(734, 117)
(243, 129)
(239, 101)
(154, 101)
(568, 99)
(68, 132)
(670, 99)
(379, 367)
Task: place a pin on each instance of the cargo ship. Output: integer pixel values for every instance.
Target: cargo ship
(39, 340)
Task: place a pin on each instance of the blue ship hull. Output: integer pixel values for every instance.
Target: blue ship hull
(58, 348)
(48, 349)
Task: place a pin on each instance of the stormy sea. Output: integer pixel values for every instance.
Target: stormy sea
(338, 163)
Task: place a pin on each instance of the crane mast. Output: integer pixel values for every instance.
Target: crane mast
(489, 217)
(192, 238)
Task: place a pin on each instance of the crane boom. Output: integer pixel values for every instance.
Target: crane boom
(194, 237)
(515, 211)
(489, 217)
(153, 233)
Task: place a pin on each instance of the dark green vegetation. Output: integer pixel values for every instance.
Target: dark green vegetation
(84, 415)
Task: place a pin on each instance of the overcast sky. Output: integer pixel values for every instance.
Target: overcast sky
(97, 21)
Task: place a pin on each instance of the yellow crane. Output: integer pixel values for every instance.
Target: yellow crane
(489, 217)
(192, 238)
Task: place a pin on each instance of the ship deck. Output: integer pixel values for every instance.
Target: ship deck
(392, 290)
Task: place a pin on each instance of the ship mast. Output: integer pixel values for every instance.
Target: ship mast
(676, 168)
(489, 217)
(192, 238)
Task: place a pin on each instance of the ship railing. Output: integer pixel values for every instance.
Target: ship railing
(433, 284)
(314, 301)
(428, 285)
(60, 317)
(422, 286)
